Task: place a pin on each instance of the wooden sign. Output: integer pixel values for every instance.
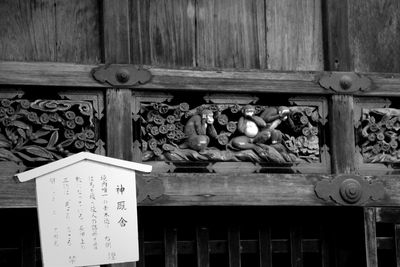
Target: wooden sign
(87, 210)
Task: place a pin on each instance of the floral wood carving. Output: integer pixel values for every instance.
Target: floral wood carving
(229, 132)
(379, 135)
(349, 189)
(38, 131)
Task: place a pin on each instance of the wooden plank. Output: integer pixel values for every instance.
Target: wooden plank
(222, 80)
(66, 31)
(337, 49)
(374, 35)
(116, 31)
(265, 247)
(296, 254)
(50, 74)
(119, 123)
(294, 35)
(170, 247)
(200, 189)
(202, 247)
(342, 134)
(163, 32)
(77, 31)
(397, 243)
(234, 246)
(370, 237)
(231, 34)
(27, 30)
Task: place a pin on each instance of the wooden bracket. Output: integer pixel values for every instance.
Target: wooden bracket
(120, 75)
(151, 188)
(345, 82)
(349, 190)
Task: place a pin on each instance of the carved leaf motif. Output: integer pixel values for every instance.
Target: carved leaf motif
(8, 155)
(53, 139)
(38, 151)
(45, 130)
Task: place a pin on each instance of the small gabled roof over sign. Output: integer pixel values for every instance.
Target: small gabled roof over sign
(62, 163)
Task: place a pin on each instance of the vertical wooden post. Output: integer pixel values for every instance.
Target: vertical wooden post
(342, 134)
(265, 246)
(202, 247)
(234, 246)
(296, 246)
(397, 243)
(118, 101)
(171, 247)
(370, 237)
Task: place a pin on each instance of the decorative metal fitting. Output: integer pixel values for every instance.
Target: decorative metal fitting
(121, 76)
(350, 190)
(345, 82)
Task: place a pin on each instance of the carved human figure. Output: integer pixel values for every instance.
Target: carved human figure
(249, 125)
(199, 129)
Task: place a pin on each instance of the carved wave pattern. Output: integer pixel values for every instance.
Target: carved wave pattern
(379, 135)
(39, 131)
(167, 133)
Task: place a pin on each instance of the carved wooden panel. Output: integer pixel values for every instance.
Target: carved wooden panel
(39, 128)
(377, 125)
(230, 133)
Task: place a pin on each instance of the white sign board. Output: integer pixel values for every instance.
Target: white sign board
(87, 215)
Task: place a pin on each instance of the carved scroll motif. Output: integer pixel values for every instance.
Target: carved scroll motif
(379, 135)
(39, 131)
(230, 132)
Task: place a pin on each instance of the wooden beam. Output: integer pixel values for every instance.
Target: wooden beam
(199, 189)
(218, 80)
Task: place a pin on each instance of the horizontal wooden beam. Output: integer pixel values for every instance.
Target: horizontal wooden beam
(257, 81)
(199, 189)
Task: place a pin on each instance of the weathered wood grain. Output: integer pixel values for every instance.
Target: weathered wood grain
(234, 246)
(64, 31)
(218, 80)
(370, 237)
(265, 246)
(374, 35)
(295, 246)
(118, 101)
(170, 247)
(336, 35)
(294, 36)
(342, 145)
(163, 32)
(231, 34)
(116, 33)
(202, 247)
(200, 189)
(78, 31)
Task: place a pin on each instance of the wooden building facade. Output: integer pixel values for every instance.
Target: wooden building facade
(310, 177)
